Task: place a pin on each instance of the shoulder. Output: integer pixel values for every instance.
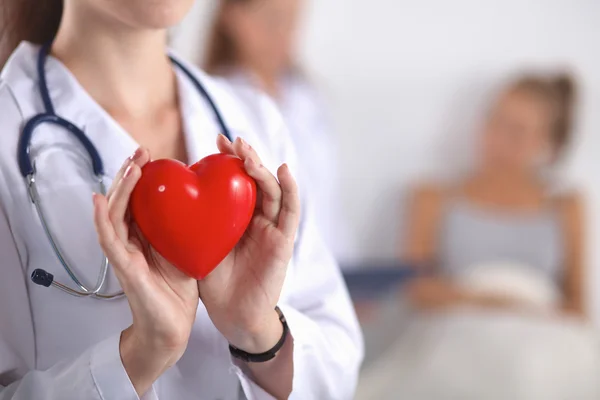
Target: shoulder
(17, 104)
(252, 111)
(571, 205)
(243, 102)
(17, 91)
(428, 194)
(426, 204)
(12, 118)
(9, 106)
(240, 102)
(16, 78)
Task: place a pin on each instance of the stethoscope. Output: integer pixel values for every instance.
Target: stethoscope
(27, 168)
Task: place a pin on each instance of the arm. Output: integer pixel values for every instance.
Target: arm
(95, 373)
(574, 291)
(438, 294)
(163, 303)
(325, 348)
(322, 354)
(420, 235)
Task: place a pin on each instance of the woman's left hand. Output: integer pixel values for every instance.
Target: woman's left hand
(240, 295)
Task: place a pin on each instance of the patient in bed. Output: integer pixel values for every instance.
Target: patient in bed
(507, 236)
(498, 312)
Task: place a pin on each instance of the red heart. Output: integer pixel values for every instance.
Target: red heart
(194, 216)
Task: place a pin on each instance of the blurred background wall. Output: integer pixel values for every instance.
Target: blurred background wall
(407, 81)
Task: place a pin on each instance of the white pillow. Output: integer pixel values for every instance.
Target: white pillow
(516, 281)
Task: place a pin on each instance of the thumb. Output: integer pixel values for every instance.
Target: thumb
(112, 246)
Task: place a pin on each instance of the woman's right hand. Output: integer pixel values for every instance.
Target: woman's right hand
(163, 300)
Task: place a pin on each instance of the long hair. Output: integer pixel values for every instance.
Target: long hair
(36, 21)
(220, 50)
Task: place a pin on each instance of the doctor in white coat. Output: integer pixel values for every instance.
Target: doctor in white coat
(108, 74)
(252, 46)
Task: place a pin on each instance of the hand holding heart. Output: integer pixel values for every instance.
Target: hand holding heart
(240, 294)
(163, 300)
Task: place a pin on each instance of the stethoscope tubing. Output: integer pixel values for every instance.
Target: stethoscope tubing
(27, 168)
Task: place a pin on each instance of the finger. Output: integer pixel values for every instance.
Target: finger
(119, 201)
(152, 256)
(244, 151)
(112, 246)
(268, 187)
(136, 237)
(141, 157)
(168, 270)
(289, 216)
(224, 145)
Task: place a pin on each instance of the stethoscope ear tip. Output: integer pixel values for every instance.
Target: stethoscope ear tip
(42, 278)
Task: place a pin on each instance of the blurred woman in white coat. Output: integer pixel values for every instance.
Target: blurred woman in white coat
(252, 45)
(273, 320)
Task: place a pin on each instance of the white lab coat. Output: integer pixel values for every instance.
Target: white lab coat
(54, 346)
(311, 135)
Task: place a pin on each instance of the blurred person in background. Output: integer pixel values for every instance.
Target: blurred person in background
(508, 214)
(252, 45)
(497, 310)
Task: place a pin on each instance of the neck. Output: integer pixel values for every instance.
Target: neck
(270, 85)
(508, 180)
(125, 70)
(267, 80)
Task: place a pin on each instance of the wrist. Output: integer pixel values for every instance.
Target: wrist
(144, 364)
(258, 338)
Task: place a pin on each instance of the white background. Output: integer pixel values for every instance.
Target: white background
(406, 80)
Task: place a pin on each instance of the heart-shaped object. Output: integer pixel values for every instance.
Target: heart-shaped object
(194, 216)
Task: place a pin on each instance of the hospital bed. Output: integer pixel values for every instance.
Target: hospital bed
(466, 355)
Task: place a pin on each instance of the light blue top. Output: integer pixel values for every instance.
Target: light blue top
(472, 235)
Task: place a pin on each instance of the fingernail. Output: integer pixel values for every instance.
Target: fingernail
(136, 155)
(244, 143)
(94, 194)
(127, 172)
(226, 138)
